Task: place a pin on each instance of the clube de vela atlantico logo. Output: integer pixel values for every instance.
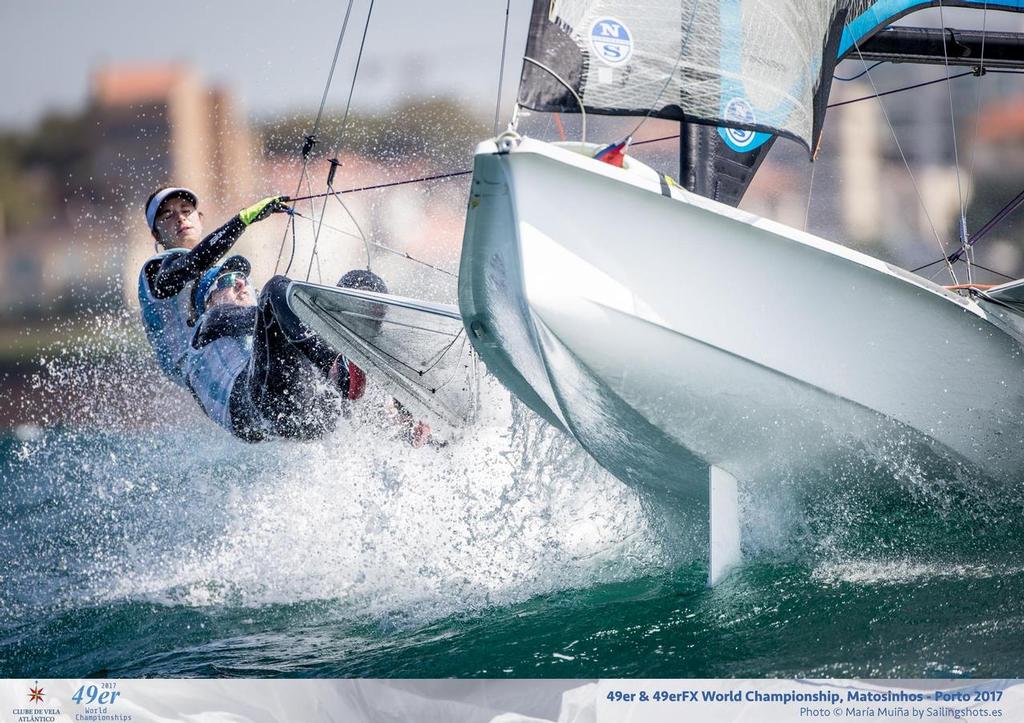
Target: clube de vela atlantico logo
(34, 712)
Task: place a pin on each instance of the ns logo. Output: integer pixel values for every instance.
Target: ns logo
(611, 41)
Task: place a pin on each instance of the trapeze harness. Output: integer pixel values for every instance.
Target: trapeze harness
(166, 320)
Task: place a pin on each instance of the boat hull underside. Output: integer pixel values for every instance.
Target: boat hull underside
(697, 337)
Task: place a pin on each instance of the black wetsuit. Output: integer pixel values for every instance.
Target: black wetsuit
(165, 283)
(178, 270)
(283, 389)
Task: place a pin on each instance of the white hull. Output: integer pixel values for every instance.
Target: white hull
(670, 333)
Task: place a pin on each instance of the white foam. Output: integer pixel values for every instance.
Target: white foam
(365, 519)
(899, 572)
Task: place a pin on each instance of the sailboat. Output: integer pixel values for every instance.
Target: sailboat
(588, 288)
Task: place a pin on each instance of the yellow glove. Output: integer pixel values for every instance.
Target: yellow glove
(263, 208)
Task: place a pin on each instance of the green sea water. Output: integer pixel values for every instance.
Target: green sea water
(166, 548)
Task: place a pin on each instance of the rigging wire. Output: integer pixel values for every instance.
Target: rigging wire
(316, 230)
(362, 234)
(956, 152)
(993, 271)
(341, 136)
(330, 75)
(860, 74)
(312, 207)
(355, 75)
(977, 104)
(1012, 205)
(668, 78)
(311, 138)
(292, 224)
(983, 268)
(900, 90)
(917, 190)
(501, 67)
(386, 248)
(966, 242)
(810, 188)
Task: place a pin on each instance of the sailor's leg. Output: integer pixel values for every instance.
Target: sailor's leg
(338, 370)
(274, 303)
(285, 383)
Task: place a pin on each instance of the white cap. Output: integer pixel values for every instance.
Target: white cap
(161, 196)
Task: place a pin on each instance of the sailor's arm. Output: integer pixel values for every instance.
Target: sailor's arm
(179, 269)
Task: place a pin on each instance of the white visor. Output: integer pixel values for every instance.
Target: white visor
(154, 205)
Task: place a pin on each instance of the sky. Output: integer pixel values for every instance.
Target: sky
(274, 56)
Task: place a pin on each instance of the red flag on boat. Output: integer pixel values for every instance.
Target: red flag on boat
(615, 153)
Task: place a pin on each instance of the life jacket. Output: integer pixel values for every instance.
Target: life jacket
(166, 321)
(211, 371)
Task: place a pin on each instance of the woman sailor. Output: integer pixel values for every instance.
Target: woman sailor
(177, 228)
(255, 368)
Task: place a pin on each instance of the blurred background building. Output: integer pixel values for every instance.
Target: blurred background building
(73, 180)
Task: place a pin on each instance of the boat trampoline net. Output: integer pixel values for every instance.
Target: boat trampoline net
(418, 353)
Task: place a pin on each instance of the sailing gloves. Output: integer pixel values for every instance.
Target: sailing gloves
(263, 208)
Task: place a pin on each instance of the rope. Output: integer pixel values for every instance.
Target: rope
(501, 67)
(899, 90)
(560, 79)
(970, 285)
(861, 73)
(311, 138)
(913, 180)
(390, 184)
(309, 186)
